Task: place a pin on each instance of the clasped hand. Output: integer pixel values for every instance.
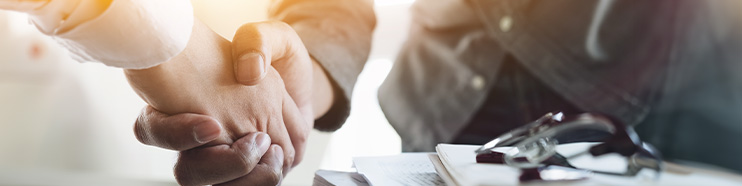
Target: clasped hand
(239, 113)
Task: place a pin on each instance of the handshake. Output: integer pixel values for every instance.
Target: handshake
(240, 112)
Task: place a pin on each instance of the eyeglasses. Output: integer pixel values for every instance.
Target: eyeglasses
(534, 145)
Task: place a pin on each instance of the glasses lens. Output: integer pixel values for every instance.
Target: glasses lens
(518, 134)
(531, 154)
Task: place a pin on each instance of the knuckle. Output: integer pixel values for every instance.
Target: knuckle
(274, 178)
(250, 30)
(302, 138)
(297, 160)
(271, 176)
(140, 130)
(183, 174)
(289, 155)
(248, 159)
(281, 24)
(282, 27)
(288, 30)
(248, 27)
(300, 149)
(247, 165)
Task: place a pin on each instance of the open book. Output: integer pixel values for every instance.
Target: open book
(407, 169)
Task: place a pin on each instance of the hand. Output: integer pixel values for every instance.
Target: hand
(200, 81)
(257, 47)
(251, 156)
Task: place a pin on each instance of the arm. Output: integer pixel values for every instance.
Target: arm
(337, 34)
(112, 31)
(200, 80)
(187, 132)
(259, 46)
(194, 78)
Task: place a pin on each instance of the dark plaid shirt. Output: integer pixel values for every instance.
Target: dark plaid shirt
(669, 67)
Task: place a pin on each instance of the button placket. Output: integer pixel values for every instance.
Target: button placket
(477, 82)
(506, 22)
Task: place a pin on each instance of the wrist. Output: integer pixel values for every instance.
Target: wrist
(323, 94)
(166, 85)
(161, 84)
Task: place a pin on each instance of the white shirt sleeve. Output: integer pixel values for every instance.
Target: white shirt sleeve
(132, 34)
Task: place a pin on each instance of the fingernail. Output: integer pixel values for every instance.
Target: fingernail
(251, 63)
(278, 152)
(206, 131)
(263, 141)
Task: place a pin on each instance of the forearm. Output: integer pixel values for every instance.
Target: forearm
(337, 34)
(173, 86)
(112, 32)
(201, 80)
(323, 95)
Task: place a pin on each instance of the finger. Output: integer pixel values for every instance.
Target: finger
(221, 163)
(268, 172)
(257, 46)
(22, 5)
(297, 128)
(280, 136)
(177, 132)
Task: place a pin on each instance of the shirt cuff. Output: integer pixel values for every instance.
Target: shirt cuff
(132, 34)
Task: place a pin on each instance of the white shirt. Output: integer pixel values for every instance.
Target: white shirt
(73, 121)
(132, 34)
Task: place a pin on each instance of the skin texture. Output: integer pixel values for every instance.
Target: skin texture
(199, 111)
(256, 48)
(200, 80)
(247, 161)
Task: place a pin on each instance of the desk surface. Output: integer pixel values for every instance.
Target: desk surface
(64, 178)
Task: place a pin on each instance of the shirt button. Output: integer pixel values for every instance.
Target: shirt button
(477, 82)
(506, 23)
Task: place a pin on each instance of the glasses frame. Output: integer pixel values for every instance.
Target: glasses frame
(540, 137)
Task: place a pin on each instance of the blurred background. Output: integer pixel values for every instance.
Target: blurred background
(67, 123)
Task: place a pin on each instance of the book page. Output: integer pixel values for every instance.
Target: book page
(404, 169)
(460, 162)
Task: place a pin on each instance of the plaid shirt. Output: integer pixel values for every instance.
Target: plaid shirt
(669, 67)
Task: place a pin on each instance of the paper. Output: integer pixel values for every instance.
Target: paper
(459, 161)
(338, 178)
(441, 169)
(405, 169)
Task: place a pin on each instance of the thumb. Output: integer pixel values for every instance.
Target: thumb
(258, 46)
(177, 132)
